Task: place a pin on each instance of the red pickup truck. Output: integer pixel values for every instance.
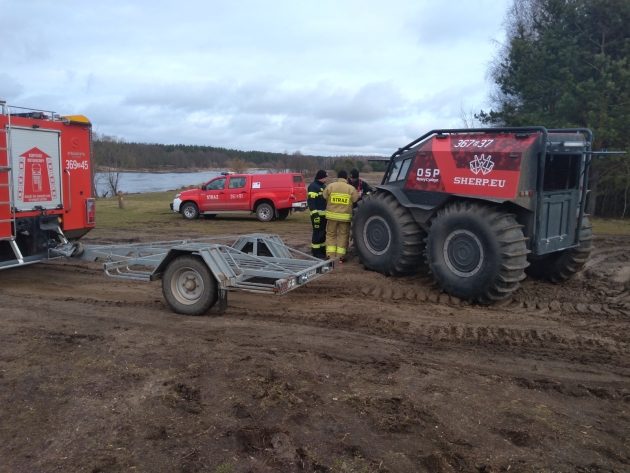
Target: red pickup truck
(270, 196)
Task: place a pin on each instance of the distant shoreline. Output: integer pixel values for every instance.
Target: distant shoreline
(102, 169)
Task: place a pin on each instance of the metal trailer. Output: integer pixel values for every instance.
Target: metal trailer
(197, 274)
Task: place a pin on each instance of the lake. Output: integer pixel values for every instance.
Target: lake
(138, 182)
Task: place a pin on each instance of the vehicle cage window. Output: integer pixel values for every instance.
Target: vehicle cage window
(399, 170)
(216, 185)
(297, 180)
(237, 183)
(561, 172)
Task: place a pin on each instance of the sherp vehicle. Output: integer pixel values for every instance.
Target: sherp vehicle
(45, 184)
(480, 208)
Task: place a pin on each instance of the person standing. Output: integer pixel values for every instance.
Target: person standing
(359, 184)
(340, 196)
(317, 207)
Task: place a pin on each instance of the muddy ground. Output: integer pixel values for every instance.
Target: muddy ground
(355, 372)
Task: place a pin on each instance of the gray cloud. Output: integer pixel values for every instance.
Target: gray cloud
(320, 77)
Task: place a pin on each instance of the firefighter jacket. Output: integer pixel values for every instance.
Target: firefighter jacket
(315, 200)
(339, 197)
(361, 186)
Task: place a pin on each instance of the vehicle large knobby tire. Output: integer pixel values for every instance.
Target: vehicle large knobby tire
(265, 212)
(476, 252)
(188, 286)
(190, 211)
(386, 237)
(562, 265)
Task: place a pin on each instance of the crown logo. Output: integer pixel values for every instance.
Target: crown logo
(481, 164)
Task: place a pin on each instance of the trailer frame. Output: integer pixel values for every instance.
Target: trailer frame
(258, 263)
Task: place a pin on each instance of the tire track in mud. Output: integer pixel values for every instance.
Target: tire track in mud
(603, 289)
(407, 295)
(90, 301)
(497, 337)
(486, 335)
(597, 294)
(592, 322)
(615, 304)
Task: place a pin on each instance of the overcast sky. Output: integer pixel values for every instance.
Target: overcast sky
(320, 76)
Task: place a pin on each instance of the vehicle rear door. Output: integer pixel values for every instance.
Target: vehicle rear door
(213, 195)
(237, 193)
(35, 168)
(560, 199)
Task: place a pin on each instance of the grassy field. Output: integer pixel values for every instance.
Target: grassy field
(153, 208)
(138, 209)
(607, 226)
(148, 217)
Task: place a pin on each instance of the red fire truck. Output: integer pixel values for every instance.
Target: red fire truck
(46, 199)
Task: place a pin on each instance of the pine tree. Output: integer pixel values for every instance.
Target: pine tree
(566, 63)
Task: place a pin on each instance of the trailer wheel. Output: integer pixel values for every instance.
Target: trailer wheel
(190, 211)
(188, 286)
(476, 252)
(264, 212)
(562, 265)
(283, 214)
(386, 237)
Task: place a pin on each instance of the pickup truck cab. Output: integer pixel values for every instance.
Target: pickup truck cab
(269, 196)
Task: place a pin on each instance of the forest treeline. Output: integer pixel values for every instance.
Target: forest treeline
(113, 153)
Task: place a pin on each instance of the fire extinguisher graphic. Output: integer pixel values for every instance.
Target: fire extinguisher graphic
(36, 173)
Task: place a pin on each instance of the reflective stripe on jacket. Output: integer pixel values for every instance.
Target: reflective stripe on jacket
(339, 197)
(316, 202)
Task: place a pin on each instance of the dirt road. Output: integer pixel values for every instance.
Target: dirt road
(354, 373)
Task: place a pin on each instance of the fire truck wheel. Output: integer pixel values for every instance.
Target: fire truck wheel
(265, 212)
(476, 252)
(188, 286)
(386, 237)
(562, 265)
(283, 214)
(190, 211)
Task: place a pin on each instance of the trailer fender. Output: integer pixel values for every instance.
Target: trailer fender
(170, 256)
(206, 258)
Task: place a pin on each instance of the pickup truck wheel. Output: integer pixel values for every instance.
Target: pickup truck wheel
(188, 286)
(283, 214)
(264, 212)
(190, 211)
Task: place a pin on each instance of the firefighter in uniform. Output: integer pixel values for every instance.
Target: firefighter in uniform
(340, 196)
(359, 184)
(317, 207)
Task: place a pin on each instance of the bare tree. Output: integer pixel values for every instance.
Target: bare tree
(468, 117)
(113, 178)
